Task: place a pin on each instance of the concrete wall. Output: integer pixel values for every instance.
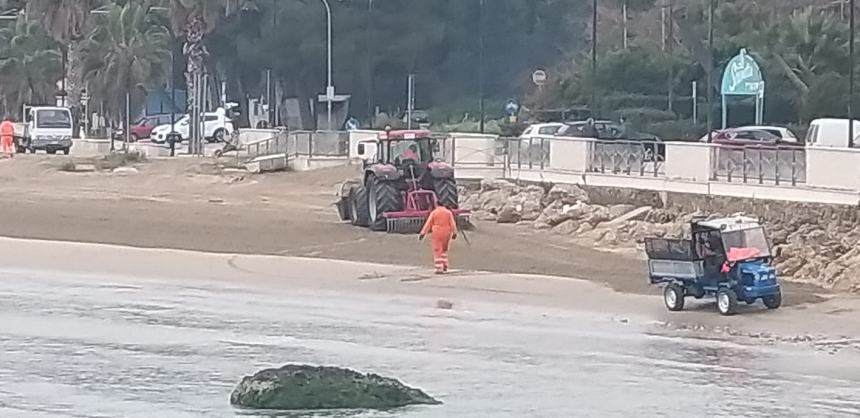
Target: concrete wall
(688, 161)
(569, 154)
(833, 168)
(472, 150)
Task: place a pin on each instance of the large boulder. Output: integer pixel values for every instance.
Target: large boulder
(300, 387)
(568, 194)
(509, 215)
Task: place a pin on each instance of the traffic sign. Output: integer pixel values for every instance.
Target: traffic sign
(512, 107)
(539, 77)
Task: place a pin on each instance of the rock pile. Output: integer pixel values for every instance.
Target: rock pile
(811, 244)
(567, 210)
(301, 387)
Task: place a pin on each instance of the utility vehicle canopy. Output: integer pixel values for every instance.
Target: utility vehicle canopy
(738, 223)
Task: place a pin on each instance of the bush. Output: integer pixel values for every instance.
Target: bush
(644, 115)
(677, 130)
(120, 159)
(68, 166)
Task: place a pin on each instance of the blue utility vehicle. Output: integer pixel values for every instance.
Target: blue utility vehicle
(728, 259)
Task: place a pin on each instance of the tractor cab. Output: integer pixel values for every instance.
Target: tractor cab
(406, 147)
(409, 153)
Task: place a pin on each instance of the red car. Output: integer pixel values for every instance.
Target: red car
(142, 129)
(754, 135)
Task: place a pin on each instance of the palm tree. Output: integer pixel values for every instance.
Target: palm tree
(29, 65)
(193, 19)
(68, 23)
(126, 51)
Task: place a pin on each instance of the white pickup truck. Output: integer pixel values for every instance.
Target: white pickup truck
(45, 128)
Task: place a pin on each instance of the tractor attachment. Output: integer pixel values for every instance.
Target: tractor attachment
(417, 207)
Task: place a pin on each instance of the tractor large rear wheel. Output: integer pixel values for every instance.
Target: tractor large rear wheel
(446, 192)
(382, 197)
(359, 214)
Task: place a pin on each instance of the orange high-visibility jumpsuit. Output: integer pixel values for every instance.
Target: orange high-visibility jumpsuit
(441, 226)
(7, 133)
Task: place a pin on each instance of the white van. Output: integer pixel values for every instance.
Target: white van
(831, 133)
(46, 128)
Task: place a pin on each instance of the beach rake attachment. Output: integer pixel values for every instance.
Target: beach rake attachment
(419, 204)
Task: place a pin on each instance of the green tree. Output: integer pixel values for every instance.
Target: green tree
(29, 66)
(68, 22)
(193, 20)
(126, 51)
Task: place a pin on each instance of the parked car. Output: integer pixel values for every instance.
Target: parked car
(831, 133)
(143, 127)
(607, 129)
(543, 130)
(216, 128)
(753, 135)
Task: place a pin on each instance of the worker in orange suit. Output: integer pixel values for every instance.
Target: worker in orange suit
(442, 228)
(7, 133)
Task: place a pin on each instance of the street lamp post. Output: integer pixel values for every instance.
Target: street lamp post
(710, 86)
(851, 77)
(481, 66)
(594, 58)
(329, 90)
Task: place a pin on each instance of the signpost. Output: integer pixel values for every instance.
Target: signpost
(539, 77)
(512, 109)
(742, 77)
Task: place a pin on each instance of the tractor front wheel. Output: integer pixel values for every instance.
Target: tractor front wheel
(383, 197)
(446, 193)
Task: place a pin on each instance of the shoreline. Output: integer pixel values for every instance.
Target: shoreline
(826, 326)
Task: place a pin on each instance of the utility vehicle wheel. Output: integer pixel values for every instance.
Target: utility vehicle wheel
(446, 192)
(382, 197)
(727, 301)
(66, 151)
(358, 206)
(673, 296)
(773, 302)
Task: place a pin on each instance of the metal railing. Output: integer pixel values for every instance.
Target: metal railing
(301, 143)
(627, 157)
(526, 153)
(759, 164)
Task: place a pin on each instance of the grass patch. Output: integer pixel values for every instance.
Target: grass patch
(119, 159)
(67, 166)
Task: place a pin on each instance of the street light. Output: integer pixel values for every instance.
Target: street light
(851, 77)
(594, 58)
(710, 85)
(329, 89)
(13, 14)
(481, 66)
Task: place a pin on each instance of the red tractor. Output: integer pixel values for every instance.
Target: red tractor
(401, 186)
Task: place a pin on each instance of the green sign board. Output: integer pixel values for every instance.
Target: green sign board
(742, 77)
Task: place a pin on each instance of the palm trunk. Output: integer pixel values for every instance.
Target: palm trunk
(75, 82)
